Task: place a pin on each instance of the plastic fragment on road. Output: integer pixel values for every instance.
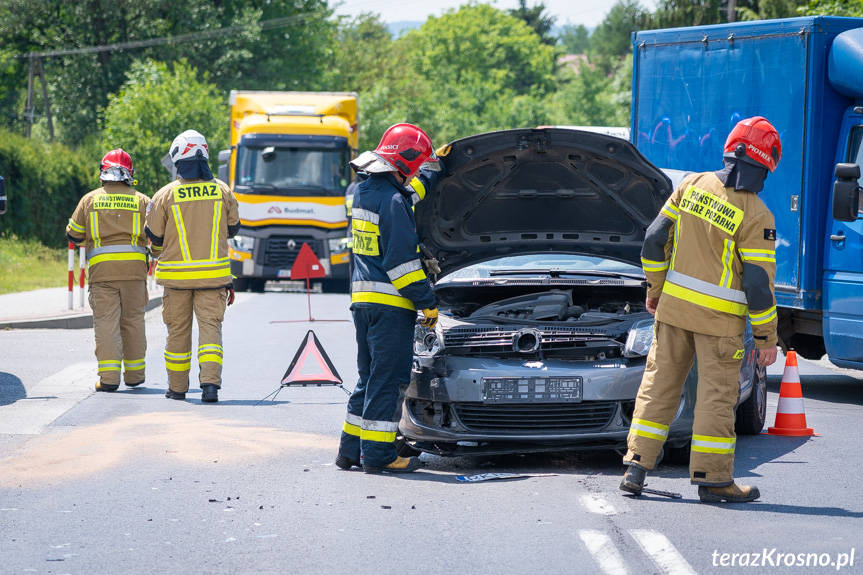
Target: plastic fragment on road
(495, 476)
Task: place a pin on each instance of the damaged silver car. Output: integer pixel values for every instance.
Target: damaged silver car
(543, 332)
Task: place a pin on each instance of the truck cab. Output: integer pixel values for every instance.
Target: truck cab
(289, 168)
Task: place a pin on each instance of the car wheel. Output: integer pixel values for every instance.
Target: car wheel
(241, 284)
(330, 285)
(752, 413)
(676, 455)
(405, 449)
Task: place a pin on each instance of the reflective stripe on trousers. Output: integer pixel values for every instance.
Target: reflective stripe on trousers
(384, 357)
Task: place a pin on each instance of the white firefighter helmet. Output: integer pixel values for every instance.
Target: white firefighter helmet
(190, 144)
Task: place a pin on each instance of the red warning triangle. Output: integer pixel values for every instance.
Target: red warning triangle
(311, 365)
(307, 266)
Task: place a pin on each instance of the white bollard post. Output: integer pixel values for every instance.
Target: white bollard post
(82, 259)
(71, 271)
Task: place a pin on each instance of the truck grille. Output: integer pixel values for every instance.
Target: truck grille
(281, 253)
(546, 418)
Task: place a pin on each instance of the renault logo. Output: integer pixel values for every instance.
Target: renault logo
(292, 245)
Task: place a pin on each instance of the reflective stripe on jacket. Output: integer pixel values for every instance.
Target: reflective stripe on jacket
(710, 254)
(387, 268)
(110, 223)
(192, 218)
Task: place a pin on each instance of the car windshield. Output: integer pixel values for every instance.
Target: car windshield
(287, 171)
(541, 265)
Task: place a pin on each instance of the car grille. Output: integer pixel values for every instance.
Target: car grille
(545, 418)
(488, 339)
(279, 253)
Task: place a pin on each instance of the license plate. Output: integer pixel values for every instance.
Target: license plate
(531, 389)
(283, 273)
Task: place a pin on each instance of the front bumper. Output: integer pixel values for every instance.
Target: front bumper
(444, 411)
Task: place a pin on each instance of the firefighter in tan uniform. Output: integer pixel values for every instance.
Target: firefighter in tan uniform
(110, 222)
(709, 259)
(192, 219)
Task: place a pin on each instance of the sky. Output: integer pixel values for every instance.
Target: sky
(587, 12)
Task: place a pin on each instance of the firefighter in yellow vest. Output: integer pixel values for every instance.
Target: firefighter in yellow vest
(709, 258)
(110, 222)
(192, 219)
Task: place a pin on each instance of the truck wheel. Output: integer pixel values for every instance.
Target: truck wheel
(752, 413)
(257, 285)
(241, 284)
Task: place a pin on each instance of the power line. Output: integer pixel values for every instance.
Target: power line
(178, 39)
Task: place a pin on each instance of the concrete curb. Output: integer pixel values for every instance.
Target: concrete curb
(79, 321)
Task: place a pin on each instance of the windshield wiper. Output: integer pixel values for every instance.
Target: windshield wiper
(263, 186)
(555, 273)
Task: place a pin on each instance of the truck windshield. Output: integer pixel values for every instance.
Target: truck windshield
(285, 171)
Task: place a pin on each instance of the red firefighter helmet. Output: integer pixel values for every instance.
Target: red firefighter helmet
(755, 139)
(403, 148)
(117, 158)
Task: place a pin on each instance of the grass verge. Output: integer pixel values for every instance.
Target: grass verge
(27, 265)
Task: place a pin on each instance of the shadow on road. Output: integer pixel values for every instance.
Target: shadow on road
(11, 388)
(832, 388)
(757, 506)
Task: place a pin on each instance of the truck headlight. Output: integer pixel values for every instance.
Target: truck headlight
(338, 245)
(427, 342)
(244, 243)
(639, 339)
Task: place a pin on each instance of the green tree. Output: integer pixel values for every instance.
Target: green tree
(680, 13)
(768, 10)
(362, 54)
(252, 44)
(595, 92)
(156, 103)
(832, 8)
(612, 38)
(574, 39)
(533, 16)
(469, 71)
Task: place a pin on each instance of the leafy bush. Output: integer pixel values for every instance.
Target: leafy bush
(155, 105)
(44, 183)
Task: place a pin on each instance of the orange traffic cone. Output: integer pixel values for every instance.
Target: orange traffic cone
(790, 417)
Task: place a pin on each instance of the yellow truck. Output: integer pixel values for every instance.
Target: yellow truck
(288, 167)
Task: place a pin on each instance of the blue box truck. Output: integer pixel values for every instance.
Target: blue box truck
(805, 75)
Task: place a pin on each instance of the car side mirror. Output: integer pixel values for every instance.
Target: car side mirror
(846, 193)
(2, 195)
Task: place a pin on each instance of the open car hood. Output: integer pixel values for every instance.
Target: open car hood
(540, 190)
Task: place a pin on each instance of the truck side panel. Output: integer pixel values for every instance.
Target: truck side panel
(691, 86)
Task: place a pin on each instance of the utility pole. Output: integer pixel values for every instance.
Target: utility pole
(30, 112)
(731, 14)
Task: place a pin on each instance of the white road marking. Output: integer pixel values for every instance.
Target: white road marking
(596, 504)
(662, 552)
(603, 551)
(48, 400)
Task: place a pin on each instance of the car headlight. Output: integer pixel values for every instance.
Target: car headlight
(428, 342)
(338, 245)
(244, 243)
(639, 339)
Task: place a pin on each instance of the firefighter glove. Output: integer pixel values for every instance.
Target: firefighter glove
(430, 318)
(230, 295)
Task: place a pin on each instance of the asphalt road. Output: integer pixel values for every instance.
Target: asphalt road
(131, 482)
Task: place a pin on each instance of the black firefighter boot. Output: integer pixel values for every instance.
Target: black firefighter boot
(633, 480)
(209, 393)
